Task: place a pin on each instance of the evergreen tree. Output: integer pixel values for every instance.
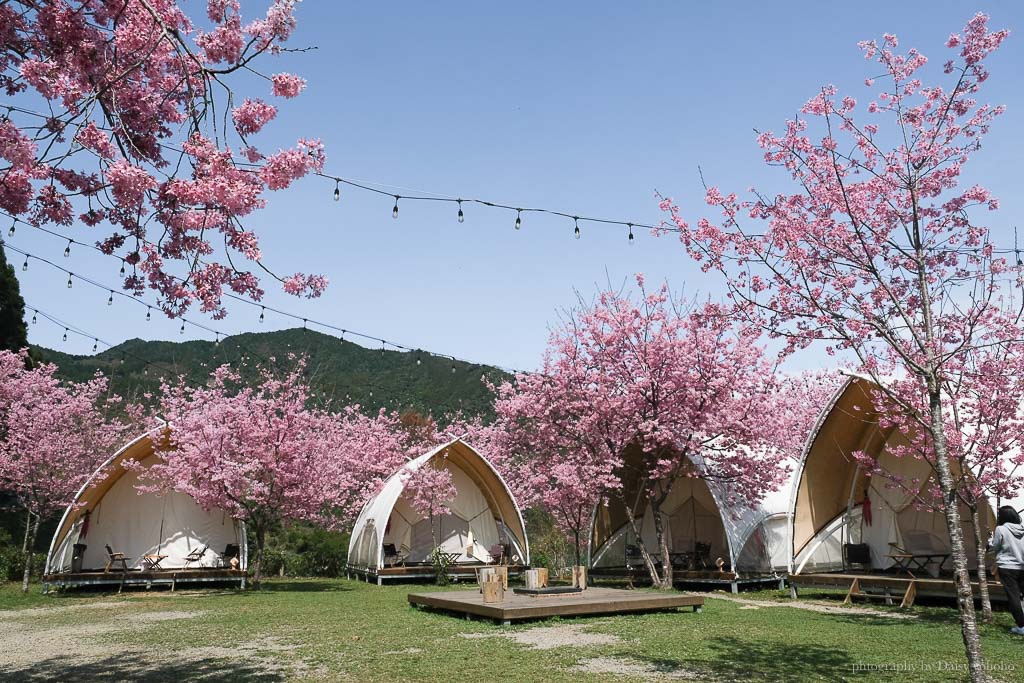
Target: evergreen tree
(13, 331)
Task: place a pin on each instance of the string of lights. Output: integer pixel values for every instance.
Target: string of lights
(70, 328)
(306, 322)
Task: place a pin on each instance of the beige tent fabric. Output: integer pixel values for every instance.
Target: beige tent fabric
(690, 515)
(483, 508)
(139, 524)
(410, 531)
(831, 485)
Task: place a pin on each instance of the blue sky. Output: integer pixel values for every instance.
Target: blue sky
(587, 108)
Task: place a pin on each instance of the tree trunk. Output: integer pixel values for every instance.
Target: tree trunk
(576, 537)
(965, 599)
(980, 534)
(28, 529)
(257, 567)
(666, 558)
(30, 543)
(648, 560)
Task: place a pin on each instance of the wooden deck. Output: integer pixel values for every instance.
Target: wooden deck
(697, 579)
(889, 587)
(457, 572)
(147, 578)
(590, 602)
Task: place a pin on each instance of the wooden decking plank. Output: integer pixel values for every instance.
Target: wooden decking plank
(591, 601)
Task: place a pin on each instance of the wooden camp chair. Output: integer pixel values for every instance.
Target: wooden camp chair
(113, 558)
(394, 556)
(702, 554)
(196, 555)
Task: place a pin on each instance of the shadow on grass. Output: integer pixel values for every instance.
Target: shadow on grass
(748, 659)
(139, 669)
(300, 586)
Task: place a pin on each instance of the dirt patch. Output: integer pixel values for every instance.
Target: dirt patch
(11, 614)
(823, 608)
(549, 637)
(38, 651)
(647, 671)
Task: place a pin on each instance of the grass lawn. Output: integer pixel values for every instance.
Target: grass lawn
(347, 630)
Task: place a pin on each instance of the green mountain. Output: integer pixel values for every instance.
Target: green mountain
(340, 370)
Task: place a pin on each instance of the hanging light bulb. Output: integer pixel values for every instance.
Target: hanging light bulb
(382, 348)
(110, 299)
(453, 366)
(462, 216)
(67, 249)
(145, 370)
(122, 267)
(263, 311)
(10, 233)
(95, 345)
(182, 330)
(394, 211)
(519, 219)
(337, 190)
(630, 226)
(69, 281)
(419, 360)
(576, 221)
(65, 334)
(303, 324)
(24, 266)
(149, 311)
(34, 321)
(216, 340)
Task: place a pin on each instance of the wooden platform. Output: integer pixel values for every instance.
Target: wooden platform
(698, 579)
(171, 577)
(590, 602)
(457, 572)
(889, 587)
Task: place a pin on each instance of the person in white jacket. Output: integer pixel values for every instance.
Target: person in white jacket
(1008, 545)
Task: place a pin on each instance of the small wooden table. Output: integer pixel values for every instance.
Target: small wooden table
(451, 558)
(153, 561)
(919, 561)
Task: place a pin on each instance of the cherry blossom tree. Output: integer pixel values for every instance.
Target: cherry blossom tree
(122, 117)
(431, 489)
(257, 452)
(53, 437)
(878, 254)
(686, 388)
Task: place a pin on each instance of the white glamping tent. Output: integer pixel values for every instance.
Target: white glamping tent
(110, 511)
(830, 489)
(484, 514)
(701, 529)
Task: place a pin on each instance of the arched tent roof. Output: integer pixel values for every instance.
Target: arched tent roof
(136, 524)
(696, 501)
(829, 484)
(479, 485)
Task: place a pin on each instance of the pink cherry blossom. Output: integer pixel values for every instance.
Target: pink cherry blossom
(55, 436)
(880, 257)
(287, 85)
(131, 114)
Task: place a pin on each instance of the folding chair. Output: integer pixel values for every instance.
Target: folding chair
(113, 558)
(393, 556)
(196, 555)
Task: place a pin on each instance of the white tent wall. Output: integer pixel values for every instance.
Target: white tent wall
(483, 507)
(139, 524)
(830, 489)
(696, 511)
(410, 531)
